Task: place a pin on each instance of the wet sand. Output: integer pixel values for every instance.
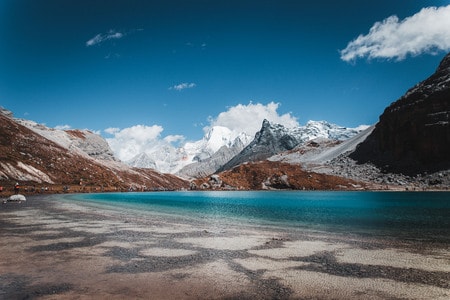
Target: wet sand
(60, 250)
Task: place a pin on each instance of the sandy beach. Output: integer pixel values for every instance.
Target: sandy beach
(61, 250)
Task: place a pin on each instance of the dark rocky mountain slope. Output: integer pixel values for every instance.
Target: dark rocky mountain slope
(413, 134)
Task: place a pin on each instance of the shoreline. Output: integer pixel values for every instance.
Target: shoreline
(60, 191)
(30, 188)
(55, 250)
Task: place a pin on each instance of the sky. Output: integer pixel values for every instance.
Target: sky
(168, 70)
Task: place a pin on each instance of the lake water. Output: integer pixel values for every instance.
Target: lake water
(396, 214)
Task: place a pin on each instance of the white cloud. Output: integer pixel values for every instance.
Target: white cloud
(174, 138)
(427, 31)
(112, 130)
(97, 132)
(182, 86)
(63, 127)
(249, 118)
(127, 143)
(103, 37)
(112, 55)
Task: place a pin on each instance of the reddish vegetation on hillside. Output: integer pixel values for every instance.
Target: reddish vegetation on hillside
(76, 133)
(274, 175)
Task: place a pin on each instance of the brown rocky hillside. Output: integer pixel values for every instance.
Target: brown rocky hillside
(33, 160)
(266, 175)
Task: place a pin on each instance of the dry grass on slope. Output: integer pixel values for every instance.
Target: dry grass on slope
(275, 175)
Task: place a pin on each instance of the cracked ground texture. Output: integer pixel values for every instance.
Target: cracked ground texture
(60, 250)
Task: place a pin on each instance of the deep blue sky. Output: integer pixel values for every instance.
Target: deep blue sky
(231, 52)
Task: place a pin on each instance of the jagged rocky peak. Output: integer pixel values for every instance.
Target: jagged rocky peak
(275, 138)
(276, 135)
(413, 133)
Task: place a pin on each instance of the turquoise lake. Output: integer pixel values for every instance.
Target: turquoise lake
(394, 214)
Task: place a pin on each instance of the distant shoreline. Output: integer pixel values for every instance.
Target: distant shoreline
(75, 189)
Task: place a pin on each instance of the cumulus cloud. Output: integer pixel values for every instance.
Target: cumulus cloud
(112, 130)
(103, 37)
(248, 118)
(182, 86)
(174, 138)
(427, 31)
(129, 142)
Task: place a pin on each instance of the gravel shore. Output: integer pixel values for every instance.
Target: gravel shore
(54, 249)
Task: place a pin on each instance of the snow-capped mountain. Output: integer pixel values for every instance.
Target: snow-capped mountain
(323, 129)
(214, 139)
(275, 138)
(169, 159)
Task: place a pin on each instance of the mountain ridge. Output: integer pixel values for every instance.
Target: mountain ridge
(275, 138)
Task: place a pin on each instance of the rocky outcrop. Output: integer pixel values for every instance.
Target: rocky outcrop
(413, 134)
(92, 144)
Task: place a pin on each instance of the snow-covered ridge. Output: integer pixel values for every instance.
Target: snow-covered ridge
(168, 159)
(324, 129)
(275, 138)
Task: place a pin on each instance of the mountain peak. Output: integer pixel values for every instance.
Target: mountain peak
(265, 123)
(275, 138)
(444, 65)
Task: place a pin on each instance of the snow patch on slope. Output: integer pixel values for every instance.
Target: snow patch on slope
(24, 172)
(322, 151)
